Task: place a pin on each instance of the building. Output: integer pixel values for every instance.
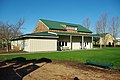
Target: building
(104, 39)
(118, 41)
(54, 36)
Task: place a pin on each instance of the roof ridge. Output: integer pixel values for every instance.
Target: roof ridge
(60, 22)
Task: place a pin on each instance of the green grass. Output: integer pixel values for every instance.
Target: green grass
(105, 55)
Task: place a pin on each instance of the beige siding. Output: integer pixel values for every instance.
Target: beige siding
(43, 45)
(41, 27)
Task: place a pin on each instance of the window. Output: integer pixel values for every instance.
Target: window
(63, 25)
(62, 43)
(71, 27)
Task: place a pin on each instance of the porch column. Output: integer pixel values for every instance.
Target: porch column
(82, 42)
(92, 42)
(71, 41)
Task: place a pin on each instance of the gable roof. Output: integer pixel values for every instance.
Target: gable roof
(55, 25)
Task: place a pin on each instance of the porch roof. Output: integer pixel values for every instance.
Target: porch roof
(75, 34)
(37, 35)
(41, 34)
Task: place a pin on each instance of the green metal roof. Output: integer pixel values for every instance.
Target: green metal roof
(41, 34)
(37, 35)
(55, 25)
(56, 34)
(73, 34)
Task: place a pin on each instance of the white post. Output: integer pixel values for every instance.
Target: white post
(82, 42)
(71, 41)
(92, 42)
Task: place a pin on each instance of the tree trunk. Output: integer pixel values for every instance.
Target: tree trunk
(114, 44)
(100, 45)
(105, 45)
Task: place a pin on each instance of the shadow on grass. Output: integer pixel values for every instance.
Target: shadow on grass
(17, 68)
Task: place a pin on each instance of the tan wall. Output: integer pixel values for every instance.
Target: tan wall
(41, 27)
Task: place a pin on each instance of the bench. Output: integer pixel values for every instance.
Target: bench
(99, 64)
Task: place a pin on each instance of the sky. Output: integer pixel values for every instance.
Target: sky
(71, 11)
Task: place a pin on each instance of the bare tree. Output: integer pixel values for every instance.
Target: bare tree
(98, 27)
(115, 27)
(10, 31)
(101, 27)
(86, 23)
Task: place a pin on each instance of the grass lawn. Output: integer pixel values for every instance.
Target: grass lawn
(105, 55)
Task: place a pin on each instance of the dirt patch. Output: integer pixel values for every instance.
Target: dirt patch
(45, 69)
(65, 70)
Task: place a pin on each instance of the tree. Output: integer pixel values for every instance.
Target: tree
(98, 27)
(102, 26)
(86, 23)
(115, 27)
(10, 31)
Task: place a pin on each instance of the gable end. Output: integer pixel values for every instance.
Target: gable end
(41, 27)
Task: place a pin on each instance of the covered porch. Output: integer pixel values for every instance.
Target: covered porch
(73, 41)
